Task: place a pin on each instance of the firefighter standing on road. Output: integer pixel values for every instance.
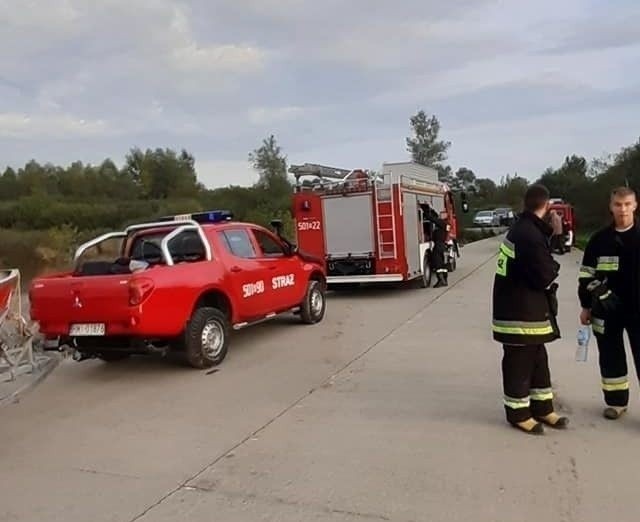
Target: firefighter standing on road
(609, 294)
(524, 316)
(556, 239)
(439, 237)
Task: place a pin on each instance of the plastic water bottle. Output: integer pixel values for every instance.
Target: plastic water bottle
(584, 335)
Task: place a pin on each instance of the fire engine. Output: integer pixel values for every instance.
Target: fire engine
(369, 227)
(567, 213)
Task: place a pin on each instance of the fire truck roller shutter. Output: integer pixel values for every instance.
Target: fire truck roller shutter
(348, 223)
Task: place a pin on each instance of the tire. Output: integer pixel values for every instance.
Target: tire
(453, 264)
(313, 307)
(206, 338)
(427, 273)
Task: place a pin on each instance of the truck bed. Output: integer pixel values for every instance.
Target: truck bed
(96, 304)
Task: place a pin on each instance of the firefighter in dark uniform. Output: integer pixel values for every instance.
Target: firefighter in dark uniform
(524, 316)
(609, 293)
(439, 237)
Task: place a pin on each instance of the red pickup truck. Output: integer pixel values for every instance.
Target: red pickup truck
(180, 283)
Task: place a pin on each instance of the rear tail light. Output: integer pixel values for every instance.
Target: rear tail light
(139, 290)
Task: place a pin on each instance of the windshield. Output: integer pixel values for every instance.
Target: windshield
(484, 213)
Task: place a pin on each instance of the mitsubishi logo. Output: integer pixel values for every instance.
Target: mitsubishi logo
(77, 303)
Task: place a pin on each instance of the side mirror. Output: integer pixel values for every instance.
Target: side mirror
(290, 248)
(465, 205)
(277, 226)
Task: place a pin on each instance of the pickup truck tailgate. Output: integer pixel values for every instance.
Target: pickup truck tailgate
(59, 302)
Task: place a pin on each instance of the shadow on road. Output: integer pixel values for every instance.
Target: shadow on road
(138, 366)
(375, 291)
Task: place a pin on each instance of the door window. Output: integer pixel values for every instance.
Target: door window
(238, 243)
(269, 246)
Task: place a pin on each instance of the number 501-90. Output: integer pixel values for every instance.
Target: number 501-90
(309, 225)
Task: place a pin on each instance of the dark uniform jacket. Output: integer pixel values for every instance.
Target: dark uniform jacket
(438, 226)
(524, 301)
(610, 271)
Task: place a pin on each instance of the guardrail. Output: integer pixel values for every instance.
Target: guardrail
(16, 336)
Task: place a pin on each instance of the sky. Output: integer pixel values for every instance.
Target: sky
(516, 85)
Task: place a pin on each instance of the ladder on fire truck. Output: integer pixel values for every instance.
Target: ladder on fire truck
(385, 221)
(385, 208)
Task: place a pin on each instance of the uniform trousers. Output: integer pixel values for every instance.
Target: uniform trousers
(526, 382)
(613, 358)
(438, 257)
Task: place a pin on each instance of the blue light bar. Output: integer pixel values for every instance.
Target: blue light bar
(209, 216)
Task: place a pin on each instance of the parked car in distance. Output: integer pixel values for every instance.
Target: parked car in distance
(505, 215)
(486, 218)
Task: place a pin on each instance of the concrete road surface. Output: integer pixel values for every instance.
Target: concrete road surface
(388, 410)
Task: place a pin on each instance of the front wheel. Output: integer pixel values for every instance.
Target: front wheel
(207, 338)
(314, 305)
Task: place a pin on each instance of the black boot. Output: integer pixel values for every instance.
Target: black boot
(442, 281)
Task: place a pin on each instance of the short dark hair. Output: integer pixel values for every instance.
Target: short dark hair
(536, 197)
(621, 192)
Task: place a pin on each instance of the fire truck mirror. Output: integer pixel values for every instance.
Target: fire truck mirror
(465, 204)
(277, 225)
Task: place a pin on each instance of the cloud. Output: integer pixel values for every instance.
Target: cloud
(220, 173)
(611, 25)
(270, 115)
(335, 81)
(55, 126)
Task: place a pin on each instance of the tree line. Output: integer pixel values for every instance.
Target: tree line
(583, 183)
(46, 210)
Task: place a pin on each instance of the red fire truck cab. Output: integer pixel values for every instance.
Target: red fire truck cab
(567, 213)
(369, 227)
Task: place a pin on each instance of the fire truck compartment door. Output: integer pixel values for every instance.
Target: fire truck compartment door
(348, 225)
(412, 227)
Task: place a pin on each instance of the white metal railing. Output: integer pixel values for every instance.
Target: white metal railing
(16, 337)
(182, 226)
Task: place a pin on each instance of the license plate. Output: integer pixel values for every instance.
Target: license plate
(87, 329)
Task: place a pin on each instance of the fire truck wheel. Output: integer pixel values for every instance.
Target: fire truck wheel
(453, 264)
(207, 338)
(427, 273)
(314, 304)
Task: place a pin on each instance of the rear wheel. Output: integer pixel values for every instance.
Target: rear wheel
(207, 338)
(314, 305)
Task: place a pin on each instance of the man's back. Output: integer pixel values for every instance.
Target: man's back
(524, 316)
(525, 268)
